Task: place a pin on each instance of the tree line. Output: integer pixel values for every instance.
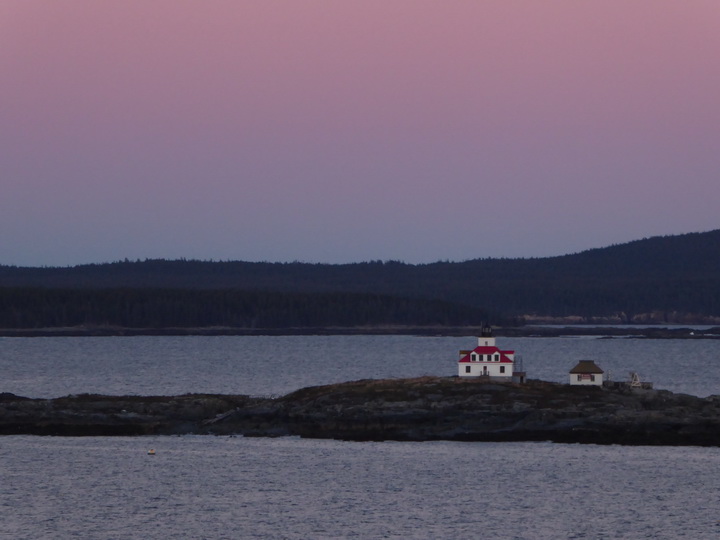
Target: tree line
(673, 274)
(184, 308)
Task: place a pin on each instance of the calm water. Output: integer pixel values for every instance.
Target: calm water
(213, 487)
(53, 367)
(220, 487)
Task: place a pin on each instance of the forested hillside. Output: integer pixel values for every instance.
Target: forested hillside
(663, 278)
(183, 308)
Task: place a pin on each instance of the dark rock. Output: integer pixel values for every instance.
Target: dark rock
(427, 408)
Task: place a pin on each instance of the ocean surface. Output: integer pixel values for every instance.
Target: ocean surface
(272, 365)
(235, 487)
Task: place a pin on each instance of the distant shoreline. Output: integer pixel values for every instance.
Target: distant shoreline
(656, 332)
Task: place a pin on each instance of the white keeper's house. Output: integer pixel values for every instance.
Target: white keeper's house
(487, 359)
(586, 372)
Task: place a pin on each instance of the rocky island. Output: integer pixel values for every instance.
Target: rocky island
(420, 409)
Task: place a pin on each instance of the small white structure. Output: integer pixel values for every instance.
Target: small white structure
(486, 359)
(586, 372)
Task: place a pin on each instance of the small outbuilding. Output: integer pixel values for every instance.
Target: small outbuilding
(586, 372)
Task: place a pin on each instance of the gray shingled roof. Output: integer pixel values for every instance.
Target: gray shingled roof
(586, 366)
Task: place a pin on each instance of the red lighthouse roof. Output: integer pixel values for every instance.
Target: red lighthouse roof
(484, 350)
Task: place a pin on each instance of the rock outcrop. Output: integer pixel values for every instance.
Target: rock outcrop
(422, 409)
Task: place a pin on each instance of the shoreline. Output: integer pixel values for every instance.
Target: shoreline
(655, 332)
(419, 409)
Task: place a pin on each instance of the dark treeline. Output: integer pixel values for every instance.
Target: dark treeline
(176, 308)
(663, 276)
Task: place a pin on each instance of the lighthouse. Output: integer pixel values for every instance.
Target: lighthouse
(486, 360)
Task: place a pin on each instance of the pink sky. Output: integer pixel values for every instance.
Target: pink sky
(328, 131)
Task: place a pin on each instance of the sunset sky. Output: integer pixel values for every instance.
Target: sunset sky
(344, 131)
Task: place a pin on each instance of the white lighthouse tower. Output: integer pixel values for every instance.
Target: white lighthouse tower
(486, 338)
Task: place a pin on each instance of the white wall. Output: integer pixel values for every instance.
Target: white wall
(586, 382)
(493, 369)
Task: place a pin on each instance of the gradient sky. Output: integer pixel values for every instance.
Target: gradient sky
(345, 131)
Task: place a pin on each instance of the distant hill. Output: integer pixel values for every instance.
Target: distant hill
(660, 279)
